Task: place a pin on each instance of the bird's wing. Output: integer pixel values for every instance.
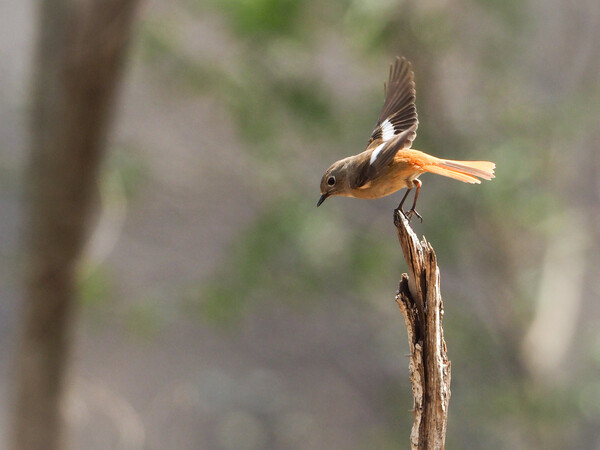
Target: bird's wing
(374, 162)
(397, 124)
(399, 112)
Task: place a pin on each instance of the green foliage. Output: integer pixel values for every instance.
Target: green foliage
(124, 172)
(307, 102)
(291, 255)
(263, 19)
(513, 13)
(161, 47)
(95, 287)
(143, 320)
(264, 262)
(258, 96)
(276, 96)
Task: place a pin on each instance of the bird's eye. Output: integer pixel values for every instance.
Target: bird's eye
(331, 181)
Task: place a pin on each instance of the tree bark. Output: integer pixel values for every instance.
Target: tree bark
(79, 55)
(420, 301)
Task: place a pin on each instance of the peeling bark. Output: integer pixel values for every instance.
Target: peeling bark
(420, 301)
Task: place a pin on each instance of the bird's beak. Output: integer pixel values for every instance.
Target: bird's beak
(322, 199)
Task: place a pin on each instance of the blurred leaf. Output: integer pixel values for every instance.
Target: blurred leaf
(513, 13)
(307, 102)
(262, 18)
(95, 289)
(143, 320)
(129, 166)
(279, 257)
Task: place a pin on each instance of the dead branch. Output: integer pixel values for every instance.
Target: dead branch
(420, 301)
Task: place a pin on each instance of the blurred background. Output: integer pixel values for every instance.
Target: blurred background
(220, 309)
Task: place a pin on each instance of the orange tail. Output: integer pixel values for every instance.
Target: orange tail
(467, 171)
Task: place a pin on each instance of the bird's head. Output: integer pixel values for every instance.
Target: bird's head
(333, 181)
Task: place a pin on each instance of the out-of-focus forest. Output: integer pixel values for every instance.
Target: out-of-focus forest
(220, 309)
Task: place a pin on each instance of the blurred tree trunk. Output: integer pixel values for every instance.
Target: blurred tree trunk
(79, 54)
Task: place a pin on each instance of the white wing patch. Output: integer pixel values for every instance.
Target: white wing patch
(387, 130)
(377, 150)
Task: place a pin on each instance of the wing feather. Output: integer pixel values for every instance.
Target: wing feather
(399, 110)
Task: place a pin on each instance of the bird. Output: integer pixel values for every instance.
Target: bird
(389, 163)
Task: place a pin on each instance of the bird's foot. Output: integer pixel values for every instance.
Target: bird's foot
(408, 215)
(412, 212)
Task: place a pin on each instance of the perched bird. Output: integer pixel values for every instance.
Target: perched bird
(389, 164)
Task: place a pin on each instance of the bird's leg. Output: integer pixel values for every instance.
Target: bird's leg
(412, 210)
(399, 208)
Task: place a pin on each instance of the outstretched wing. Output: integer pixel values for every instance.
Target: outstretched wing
(399, 112)
(397, 124)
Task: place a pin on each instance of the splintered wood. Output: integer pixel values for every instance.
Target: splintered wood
(420, 301)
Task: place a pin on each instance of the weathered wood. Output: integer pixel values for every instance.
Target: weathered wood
(420, 301)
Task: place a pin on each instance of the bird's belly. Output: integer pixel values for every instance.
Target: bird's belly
(388, 183)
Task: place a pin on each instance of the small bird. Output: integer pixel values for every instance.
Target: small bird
(389, 164)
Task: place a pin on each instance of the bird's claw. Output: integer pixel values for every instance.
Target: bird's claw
(412, 212)
(408, 214)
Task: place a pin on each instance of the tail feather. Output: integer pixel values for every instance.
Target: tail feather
(467, 171)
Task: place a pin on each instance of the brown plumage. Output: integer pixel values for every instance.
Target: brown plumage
(389, 164)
